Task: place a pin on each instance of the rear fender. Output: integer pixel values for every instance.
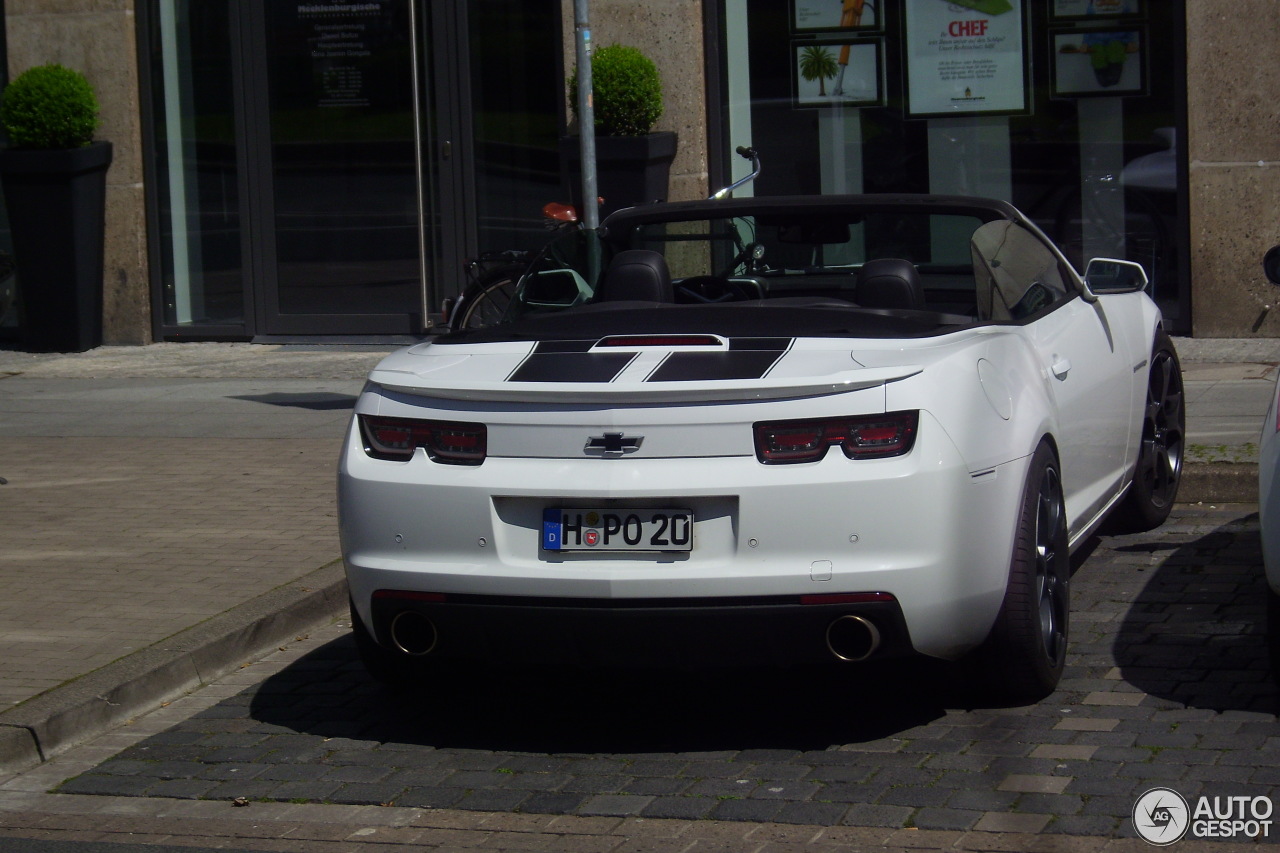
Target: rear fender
(990, 397)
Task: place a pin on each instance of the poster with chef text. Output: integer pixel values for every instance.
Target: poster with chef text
(966, 57)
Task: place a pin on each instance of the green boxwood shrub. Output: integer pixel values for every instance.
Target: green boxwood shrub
(49, 106)
(626, 91)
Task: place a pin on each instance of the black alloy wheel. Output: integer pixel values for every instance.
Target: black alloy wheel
(1023, 657)
(1159, 467)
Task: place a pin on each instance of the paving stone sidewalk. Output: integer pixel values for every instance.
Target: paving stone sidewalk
(1167, 685)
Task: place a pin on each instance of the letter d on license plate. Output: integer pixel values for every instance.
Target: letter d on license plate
(617, 529)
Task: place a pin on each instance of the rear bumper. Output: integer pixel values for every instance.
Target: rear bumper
(764, 631)
(919, 527)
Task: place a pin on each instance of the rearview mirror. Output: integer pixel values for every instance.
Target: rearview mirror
(1108, 275)
(1271, 264)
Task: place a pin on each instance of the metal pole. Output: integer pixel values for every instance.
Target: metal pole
(586, 116)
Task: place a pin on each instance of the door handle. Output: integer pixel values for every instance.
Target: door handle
(1061, 367)
(446, 150)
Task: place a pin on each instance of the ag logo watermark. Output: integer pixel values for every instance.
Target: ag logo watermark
(1162, 816)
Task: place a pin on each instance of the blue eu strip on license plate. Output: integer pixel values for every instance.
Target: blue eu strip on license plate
(618, 529)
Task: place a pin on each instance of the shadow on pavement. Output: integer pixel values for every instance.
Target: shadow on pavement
(1195, 633)
(584, 711)
(319, 401)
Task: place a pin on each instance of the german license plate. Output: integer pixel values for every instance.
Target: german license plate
(617, 529)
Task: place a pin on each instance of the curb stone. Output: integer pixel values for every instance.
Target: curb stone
(54, 721)
(1219, 482)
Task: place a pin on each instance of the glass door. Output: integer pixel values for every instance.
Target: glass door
(343, 206)
(405, 137)
(326, 168)
(515, 69)
(493, 118)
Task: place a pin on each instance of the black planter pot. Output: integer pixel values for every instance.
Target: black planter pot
(630, 170)
(57, 207)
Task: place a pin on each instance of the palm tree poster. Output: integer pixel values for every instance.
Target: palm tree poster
(835, 74)
(810, 16)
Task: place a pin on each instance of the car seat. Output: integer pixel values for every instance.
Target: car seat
(637, 274)
(889, 283)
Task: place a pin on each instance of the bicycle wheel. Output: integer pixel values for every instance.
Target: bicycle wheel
(485, 301)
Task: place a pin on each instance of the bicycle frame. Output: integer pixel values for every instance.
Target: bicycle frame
(493, 276)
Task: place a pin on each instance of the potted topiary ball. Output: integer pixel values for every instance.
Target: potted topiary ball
(633, 164)
(54, 178)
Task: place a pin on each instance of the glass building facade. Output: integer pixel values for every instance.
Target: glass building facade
(326, 168)
(1069, 109)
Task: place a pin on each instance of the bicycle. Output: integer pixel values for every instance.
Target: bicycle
(492, 276)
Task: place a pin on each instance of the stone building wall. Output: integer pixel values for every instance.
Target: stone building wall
(99, 39)
(669, 32)
(1233, 108)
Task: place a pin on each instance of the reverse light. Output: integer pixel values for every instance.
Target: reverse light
(862, 437)
(449, 443)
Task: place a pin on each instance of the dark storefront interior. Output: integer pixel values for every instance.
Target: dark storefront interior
(323, 171)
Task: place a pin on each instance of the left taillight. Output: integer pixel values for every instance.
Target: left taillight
(861, 437)
(447, 442)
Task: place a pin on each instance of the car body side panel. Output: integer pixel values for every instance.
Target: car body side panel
(1086, 362)
(1269, 494)
(984, 388)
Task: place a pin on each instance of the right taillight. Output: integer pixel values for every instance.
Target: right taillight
(861, 437)
(447, 442)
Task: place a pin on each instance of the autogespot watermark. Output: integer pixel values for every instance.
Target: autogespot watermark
(1162, 816)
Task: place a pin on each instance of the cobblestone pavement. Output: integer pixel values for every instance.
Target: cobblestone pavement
(137, 538)
(1167, 685)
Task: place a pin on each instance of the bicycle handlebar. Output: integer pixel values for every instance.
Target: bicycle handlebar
(747, 154)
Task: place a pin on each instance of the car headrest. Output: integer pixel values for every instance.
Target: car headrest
(637, 274)
(889, 283)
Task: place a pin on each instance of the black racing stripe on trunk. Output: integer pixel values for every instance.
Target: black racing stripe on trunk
(710, 366)
(773, 344)
(564, 346)
(571, 367)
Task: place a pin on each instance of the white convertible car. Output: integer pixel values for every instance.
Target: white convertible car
(766, 431)
(1269, 497)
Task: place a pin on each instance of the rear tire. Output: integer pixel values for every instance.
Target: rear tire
(1159, 469)
(1023, 657)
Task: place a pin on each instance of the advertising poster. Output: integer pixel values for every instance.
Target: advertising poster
(966, 57)
(1099, 62)
(842, 73)
(1084, 9)
(809, 16)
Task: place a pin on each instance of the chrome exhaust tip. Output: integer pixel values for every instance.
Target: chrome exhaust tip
(853, 638)
(413, 633)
